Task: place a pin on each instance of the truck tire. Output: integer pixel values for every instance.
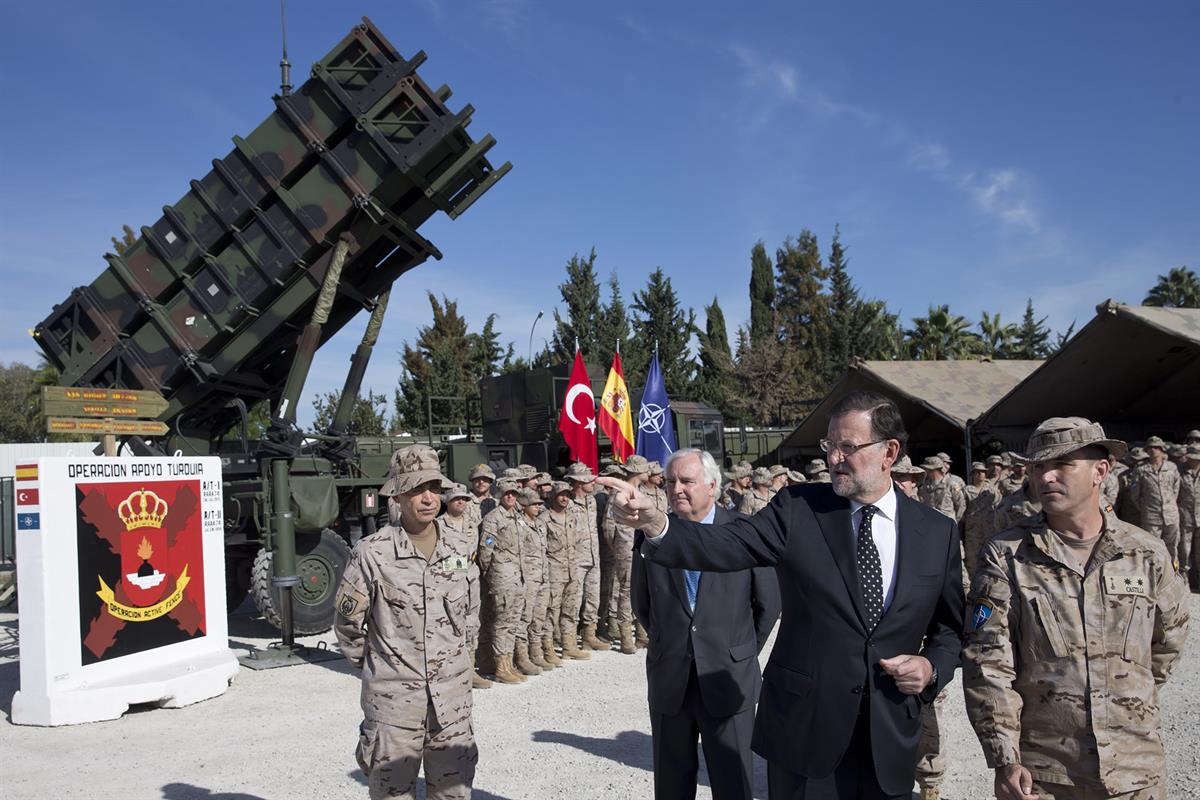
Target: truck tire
(320, 560)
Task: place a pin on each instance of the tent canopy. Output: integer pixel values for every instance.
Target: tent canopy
(1134, 369)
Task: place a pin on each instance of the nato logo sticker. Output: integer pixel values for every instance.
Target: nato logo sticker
(982, 613)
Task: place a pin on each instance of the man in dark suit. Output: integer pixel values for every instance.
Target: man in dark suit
(705, 634)
(871, 584)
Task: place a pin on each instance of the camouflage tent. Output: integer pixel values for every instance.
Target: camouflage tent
(936, 399)
(1135, 369)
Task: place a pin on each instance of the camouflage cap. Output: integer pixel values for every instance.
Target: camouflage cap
(1006, 459)
(816, 465)
(528, 497)
(933, 462)
(944, 456)
(777, 470)
(655, 468)
(527, 471)
(454, 492)
(512, 473)
(580, 473)
(613, 471)
(637, 465)
(1059, 436)
(762, 477)
(739, 471)
(1176, 451)
(796, 476)
(544, 479)
(482, 471)
(411, 467)
(1192, 436)
(560, 487)
(1193, 452)
(904, 466)
(995, 459)
(1155, 441)
(977, 466)
(1138, 454)
(505, 485)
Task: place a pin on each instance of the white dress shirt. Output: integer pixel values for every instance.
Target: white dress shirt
(885, 532)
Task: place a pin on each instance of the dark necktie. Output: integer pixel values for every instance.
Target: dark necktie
(691, 577)
(870, 573)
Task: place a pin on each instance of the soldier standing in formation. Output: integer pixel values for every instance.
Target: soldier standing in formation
(1189, 517)
(618, 541)
(654, 485)
(405, 608)
(759, 495)
(563, 532)
(458, 521)
(585, 611)
(907, 477)
(502, 565)
(1076, 620)
(1157, 498)
(481, 479)
(739, 484)
(527, 655)
(818, 471)
(939, 492)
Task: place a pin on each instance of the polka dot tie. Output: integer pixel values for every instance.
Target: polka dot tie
(870, 573)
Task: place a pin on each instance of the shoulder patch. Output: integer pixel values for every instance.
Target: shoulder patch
(350, 601)
(489, 540)
(980, 614)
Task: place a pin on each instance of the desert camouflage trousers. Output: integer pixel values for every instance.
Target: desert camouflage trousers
(563, 608)
(931, 755)
(391, 757)
(587, 603)
(505, 607)
(1056, 791)
(1169, 533)
(615, 577)
(537, 599)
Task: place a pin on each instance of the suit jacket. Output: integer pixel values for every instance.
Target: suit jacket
(824, 657)
(734, 615)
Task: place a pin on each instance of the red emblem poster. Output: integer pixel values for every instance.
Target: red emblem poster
(141, 566)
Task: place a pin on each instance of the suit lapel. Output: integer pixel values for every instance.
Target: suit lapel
(834, 522)
(908, 547)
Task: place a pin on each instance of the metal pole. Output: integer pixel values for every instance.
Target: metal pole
(284, 541)
(529, 357)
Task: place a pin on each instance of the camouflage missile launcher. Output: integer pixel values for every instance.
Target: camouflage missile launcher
(221, 303)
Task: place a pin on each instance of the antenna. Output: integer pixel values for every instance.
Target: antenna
(285, 66)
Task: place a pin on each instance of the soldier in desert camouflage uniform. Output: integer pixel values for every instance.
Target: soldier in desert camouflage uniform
(907, 477)
(563, 573)
(1189, 517)
(759, 495)
(583, 603)
(1158, 496)
(977, 522)
(779, 478)
(481, 480)
(818, 471)
(654, 486)
(795, 477)
(457, 520)
(1014, 477)
(527, 655)
(405, 608)
(939, 492)
(502, 567)
(950, 476)
(1111, 488)
(618, 540)
(1077, 621)
(739, 484)
(1127, 495)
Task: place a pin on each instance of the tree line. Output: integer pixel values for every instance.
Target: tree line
(808, 321)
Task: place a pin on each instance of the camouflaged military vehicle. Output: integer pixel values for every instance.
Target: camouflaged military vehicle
(221, 304)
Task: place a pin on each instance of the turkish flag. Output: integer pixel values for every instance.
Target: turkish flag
(578, 418)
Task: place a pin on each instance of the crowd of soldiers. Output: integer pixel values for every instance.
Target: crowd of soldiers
(1156, 487)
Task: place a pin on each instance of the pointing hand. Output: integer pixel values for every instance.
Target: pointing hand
(632, 508)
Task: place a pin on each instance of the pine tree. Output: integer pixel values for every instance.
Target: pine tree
(612, 329)
(437, 365)
(658, 319)
(761, 397)
(1032, 339)
(762, 294)
(20, 404)
(486, 352)
(843, 308)
(802, 313)
(581, 295)
(715, 381)
(367, 418)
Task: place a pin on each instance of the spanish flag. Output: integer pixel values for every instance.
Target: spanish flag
(616, 420)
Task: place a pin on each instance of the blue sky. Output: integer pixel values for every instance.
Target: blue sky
(973, 153)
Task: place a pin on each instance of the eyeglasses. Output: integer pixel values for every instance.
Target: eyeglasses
(845, 449)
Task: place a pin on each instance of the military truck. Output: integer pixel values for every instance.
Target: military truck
(221, 304)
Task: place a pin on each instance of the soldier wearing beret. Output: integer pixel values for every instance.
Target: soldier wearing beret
(1076, 619)
(405, 609)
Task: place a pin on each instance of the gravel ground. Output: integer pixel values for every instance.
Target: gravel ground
(581, 731)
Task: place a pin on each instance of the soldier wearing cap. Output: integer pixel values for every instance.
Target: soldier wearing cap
(977, 480)
(618, 544)
(817, 471)
(1157, 496)
(458, 519)
(563, 573)
(527, 655)
(950, 476)
(779, 478)
(795, 477)
(583, 600)
(654, 486)
(481, 479)
(1014, 480)
(1192, 438)
(545, 484)
(977, 524)
(1127, 495)
(939, 492)
(1077, 620)
(907, 476)
(739, 478)
(501, 560)
(528, 475)
(759, 496)
(405, 608)
(1189, 517)
(995, 467)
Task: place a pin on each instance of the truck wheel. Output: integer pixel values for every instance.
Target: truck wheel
(320, 560)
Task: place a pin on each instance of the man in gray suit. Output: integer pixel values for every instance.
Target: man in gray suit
(706, 630)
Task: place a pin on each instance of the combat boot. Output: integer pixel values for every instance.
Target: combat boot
(930, 793)
(570, 649)
(521, 660)
(536, 656)
(505, 672)
(479, 682)
(612, 631)
(643, 639)
(552, 658)
(627, 645)
(590, 639)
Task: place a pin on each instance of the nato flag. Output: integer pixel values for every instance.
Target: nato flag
(655, 430)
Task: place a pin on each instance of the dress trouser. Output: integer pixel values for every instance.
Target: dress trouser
(726, 744)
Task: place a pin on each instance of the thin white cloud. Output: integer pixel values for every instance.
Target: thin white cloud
(506, 15)
(635, 25)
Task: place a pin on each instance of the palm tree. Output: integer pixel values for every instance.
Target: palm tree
(940, 336)
(1179, 288)
(997, 337)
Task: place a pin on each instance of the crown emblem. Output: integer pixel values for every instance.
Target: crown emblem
(142, 509)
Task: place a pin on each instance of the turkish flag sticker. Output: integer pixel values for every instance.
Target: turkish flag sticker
(27, 497)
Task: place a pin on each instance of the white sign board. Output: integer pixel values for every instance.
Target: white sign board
(121, 575)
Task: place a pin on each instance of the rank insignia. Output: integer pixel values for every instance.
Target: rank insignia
(1125, 584)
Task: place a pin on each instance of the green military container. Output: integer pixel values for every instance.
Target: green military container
(220, 304)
